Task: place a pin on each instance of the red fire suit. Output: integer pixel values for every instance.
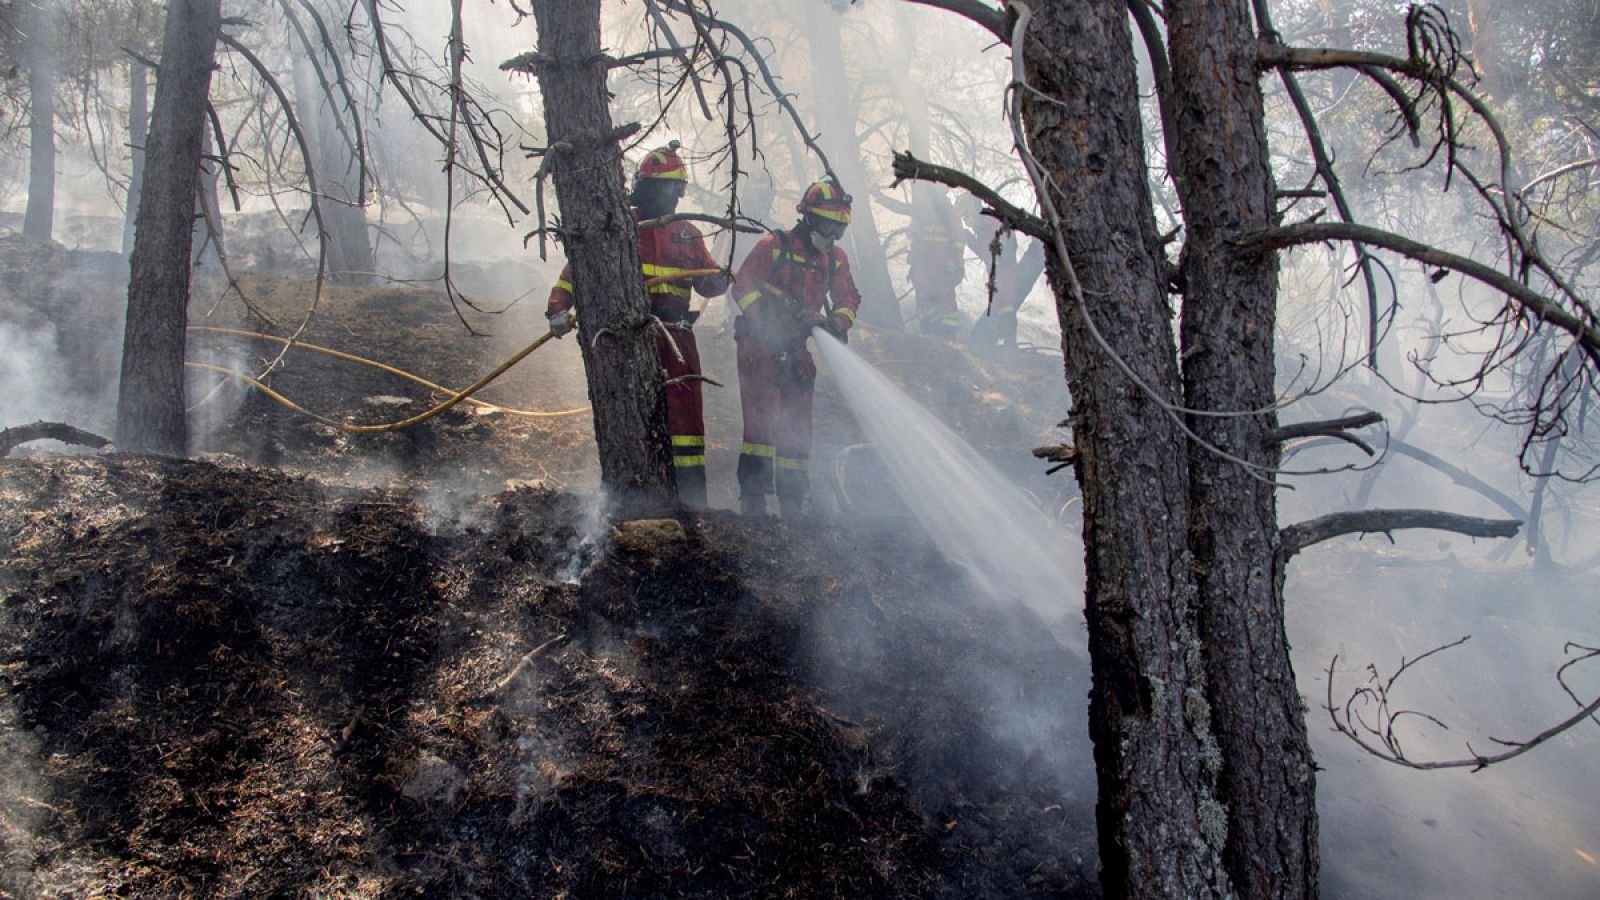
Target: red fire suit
(782, 278)
(936, 267)
(671, 249)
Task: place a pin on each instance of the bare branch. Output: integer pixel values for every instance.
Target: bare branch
(1326, 428)
(767, 76)
(17, 435)
(311, 185)
(909, 167)
(989, 18)
(1377, 694)
(1533, 302)
(1301, 535)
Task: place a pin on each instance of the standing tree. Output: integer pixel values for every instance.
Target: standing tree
(40, 24)
(1205, 774)
(150, 397)
(597, 228)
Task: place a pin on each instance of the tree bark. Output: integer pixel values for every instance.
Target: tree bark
(138, 133)
(1161, 829)
(625, 379)
(1229, 315)
(150, 400)
(38, 220)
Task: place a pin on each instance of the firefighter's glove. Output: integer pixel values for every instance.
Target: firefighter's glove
(813, 318)
(561, 323)
(838, 327)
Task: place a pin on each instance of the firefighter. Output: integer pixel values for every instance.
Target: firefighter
(937, 265)
(667, 250)
(1015, 274)
(792, 281)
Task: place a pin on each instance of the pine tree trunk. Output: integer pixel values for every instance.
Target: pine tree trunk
(38, 221)
(1161, 828)
(625, 377)
(138, 133)
(1229, 315)
(150, 401)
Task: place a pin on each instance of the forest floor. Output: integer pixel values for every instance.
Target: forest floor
(309, 663)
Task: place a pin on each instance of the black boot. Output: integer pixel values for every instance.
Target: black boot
(692, 486)
(790, 506)
(753, 504)
(793, 484)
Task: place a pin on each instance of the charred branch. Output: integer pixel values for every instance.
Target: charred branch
(703, 20)
(1334, 428)
(312, 192)
(1330, 179)
(1536, 304)
(14, 437)
(743, 224)
(1460, 476)
(1301, 535)
(491, 175)
(908, 167)
(1062, 455)
(1368, 717)
(989, 18)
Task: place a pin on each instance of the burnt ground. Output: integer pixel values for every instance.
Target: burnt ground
(307, 663)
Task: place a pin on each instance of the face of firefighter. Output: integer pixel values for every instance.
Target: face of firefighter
(656, 197)
(823, 232)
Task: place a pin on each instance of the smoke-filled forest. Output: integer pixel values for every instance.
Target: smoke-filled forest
(799, 448)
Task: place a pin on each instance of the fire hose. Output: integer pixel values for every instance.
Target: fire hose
(456, 397)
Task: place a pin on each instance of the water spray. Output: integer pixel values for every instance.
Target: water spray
(1013, 552)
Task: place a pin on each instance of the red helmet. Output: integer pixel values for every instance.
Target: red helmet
(664, 163)
(826, 199)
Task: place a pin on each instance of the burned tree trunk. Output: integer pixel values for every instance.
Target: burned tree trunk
(138, 133)
(1161, 828)
(150, 401)
(1229, 315)
(614, 326)
(38, 220)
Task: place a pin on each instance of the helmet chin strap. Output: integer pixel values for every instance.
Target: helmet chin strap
(819, 241)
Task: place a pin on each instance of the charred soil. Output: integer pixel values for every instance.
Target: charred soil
(229, 682)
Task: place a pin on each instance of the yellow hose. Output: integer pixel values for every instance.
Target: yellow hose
(390, 426)
(340, 354)
(455, 399)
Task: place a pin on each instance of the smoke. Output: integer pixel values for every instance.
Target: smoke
(1009, 651)
(23, 804)
(1013, 553)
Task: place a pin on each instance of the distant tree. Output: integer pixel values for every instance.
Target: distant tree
(37, 28)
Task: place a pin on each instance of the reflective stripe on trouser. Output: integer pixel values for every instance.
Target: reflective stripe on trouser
(937, 312)
(685, 413)
(777, 424)
(689, 464)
